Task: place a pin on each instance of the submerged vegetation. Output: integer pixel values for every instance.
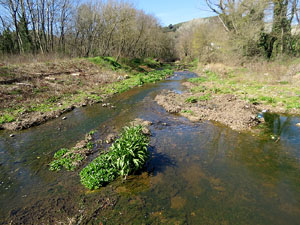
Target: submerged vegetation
(127, 155)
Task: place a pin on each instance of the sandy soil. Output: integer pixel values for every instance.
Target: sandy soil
(226, 109)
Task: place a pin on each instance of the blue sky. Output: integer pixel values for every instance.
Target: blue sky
(173, 11)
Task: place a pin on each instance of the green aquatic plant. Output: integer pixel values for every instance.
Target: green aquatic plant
(130, 150)
(127, 155)
(99, 172)
(90, 145)
(65, 158)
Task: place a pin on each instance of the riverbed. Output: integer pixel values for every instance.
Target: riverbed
(199, 173)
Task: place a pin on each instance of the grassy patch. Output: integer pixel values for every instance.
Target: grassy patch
(191, 99)
(7, 118)
(194, 99)
(128, 154)
(281, 94)
(187, 111)
(136, 80)
(197, 80)
(106, 62)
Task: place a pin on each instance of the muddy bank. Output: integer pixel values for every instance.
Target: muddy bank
(27, 120)
(33, 94)
(226, 109)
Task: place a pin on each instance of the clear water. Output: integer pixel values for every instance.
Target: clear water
(200, 173)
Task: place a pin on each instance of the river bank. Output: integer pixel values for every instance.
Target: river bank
(197, 173)
(233, 96)
(35, 93)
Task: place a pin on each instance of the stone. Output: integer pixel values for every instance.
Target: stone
(80, 145)
(12, 135)
(146, 131)
(110, 138)
(298, 124)
(64, 118)
(104, 105)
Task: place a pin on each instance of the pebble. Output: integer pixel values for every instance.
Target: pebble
(64, 118)
(104, 105)
(298, 124)
(12, 135)
(264, 111)
(164, 124)
(84, 104)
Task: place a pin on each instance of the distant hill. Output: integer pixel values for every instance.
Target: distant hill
(175, 27)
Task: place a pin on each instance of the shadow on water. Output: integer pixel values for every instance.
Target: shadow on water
(199, 173)
(159, 162)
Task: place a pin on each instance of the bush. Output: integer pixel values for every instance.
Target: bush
(127, 155)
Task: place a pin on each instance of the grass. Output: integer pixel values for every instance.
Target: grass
(194, 99)
(187, 111)
(248, 86)
(93, 93)
(7, 118)
(136, 80)
(127, 155)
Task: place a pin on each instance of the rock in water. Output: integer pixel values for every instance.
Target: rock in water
(110, 138)
(298, 124)
(12, 135)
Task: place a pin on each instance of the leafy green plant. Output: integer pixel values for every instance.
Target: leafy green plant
(99, 172)
(128, 154)
(64, 158)
(191, 99)
(92, 132)
(90, 145)
(131, 150)
(6, 118)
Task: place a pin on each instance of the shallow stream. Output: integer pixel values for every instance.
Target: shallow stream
(200, 173)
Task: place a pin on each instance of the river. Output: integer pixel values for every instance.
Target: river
(199, 173)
